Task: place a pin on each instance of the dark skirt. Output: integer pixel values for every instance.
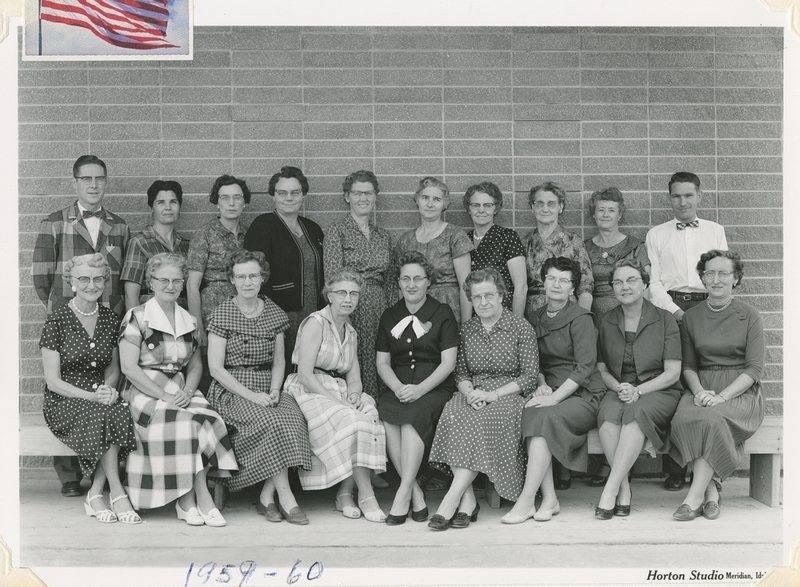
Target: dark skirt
(423, 414)
(652, 412)
(565, 427)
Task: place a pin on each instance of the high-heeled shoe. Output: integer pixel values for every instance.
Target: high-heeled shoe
(510, 518)
(623, 510)
(711, 509)
(213, 518)
(392, 520)
(462, 519)
(129, 517)
(603, 514)
(191, 516)
(104, 516)
(545, 515)
(439, 522)
(421, 515)
(348, 511)
(378, 516)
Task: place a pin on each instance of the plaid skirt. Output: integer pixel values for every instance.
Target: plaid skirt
(266, 440)
(342, 437)
(173, 444)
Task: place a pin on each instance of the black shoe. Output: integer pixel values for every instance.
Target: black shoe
(598, 481)
(392, 520)
(421, 515)
(463, 519)
(623, 510)
(711, 508)
(674, 482)
(603, 514)
(72, 489)
(563, 483)
(438, 522)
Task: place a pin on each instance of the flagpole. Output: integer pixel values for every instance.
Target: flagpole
(40, 27)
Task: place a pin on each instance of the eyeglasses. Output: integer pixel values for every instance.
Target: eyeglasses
(341, 294)
(559, 280)
(88, 179)
(251, 276)
(489, 297)
(99, 280)
(719, 274)
(231, 198)
(360, 194)
(284, 193)
(552, 204)
(164, 282)
(631, 281)
(405, 279)
(476, 206)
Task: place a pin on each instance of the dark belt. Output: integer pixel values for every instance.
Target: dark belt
(333, 374)
(722, 367)
(259, 367)
(688, 296)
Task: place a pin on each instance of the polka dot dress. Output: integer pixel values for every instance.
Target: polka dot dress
(87, 427)
(489, 439)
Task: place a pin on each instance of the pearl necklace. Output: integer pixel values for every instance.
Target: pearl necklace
(721, 308)
(82, 313)
(249, 314)
(553, 314)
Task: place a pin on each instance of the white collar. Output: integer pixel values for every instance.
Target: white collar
(81, 209)
(156, 319)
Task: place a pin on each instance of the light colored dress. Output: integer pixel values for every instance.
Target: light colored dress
(342, 437)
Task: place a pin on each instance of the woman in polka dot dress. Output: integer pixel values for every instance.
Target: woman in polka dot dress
(81, 369)
(479, 431)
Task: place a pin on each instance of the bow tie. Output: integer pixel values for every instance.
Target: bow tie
(89, 214)
(419, 329)
(681, 225)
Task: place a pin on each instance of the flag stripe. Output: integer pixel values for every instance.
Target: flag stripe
(114, 14)
(100, 23)
(117, 41)
(111, 7)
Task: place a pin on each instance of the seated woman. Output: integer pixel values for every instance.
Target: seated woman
(347, 437)
(723, 359)
(81, 368)
(640, 362)
(179, 438)
(479, 431)
(563, 408)
(246, 358)
(416, 347)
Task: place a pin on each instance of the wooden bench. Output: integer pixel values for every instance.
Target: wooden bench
(35, 439)
(765, 448)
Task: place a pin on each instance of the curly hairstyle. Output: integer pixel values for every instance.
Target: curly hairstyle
(433, 182)
(163, 260)
(736, 259)
(611, 194)
(343, 274)
(488, 188)
(224, 180)
(633, 264)
(360, 176)
(417, 258)
(95, 260)
(486, 275)
(288, 172)
(551, 187)
(245, 256)
(159, 186)
(563, 264)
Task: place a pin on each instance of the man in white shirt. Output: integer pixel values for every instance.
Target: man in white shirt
(674, 249)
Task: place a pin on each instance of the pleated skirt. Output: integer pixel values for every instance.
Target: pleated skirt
(652, 412)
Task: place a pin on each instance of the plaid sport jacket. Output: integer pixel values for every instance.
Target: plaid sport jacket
(62, 235)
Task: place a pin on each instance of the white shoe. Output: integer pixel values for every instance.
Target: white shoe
(104, 516)
(191, 517)
(213, 518)
(378, 516)
(510, 518)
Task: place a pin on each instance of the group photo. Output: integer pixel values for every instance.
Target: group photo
(405, 297)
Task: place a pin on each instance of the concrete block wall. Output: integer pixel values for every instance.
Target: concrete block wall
(585, 107)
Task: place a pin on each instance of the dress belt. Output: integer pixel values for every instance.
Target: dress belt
(722, 367)
(259, 367)
(334, 374)
(687, 296)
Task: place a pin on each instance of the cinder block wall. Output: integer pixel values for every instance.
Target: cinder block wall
(585, 107)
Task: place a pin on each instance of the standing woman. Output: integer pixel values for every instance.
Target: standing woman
(208, 284)
(357, 242)
(495, 245)
(446, 247)
(723, 359)
(81, 404)
(179, 438)
(292, 246)
(245, 354)
(550, 239)
(165, 199)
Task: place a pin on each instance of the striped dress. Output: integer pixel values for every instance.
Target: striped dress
(172, 444)
(719, 346)
(342, 437)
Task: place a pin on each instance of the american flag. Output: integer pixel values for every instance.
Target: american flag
(133, 24)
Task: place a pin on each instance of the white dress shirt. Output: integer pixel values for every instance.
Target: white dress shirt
(92, 224)
(674, 255)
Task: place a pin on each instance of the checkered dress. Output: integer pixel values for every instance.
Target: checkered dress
(141, 248)
(172, 444)
(266, 440)
(342, 437)
(62, 235)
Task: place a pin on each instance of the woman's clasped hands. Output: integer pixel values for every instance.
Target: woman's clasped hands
(106, 395)
(267, 400)
(180, 398)
(409, 393)
(628, 393)
(541, 398)
(707, 398)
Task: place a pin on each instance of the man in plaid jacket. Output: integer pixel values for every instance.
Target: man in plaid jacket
(82, 228)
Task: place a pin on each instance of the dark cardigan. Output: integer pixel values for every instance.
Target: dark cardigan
(270, 235)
